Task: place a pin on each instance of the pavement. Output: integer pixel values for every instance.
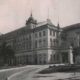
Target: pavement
(28, 73)
(31, 73)
(5, 73)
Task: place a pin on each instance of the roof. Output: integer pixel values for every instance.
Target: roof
(72, 27)
(41, 24)
(45, 22)
(24, 30)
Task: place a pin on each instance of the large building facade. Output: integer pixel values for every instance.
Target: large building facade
(33, 44)
(42, 43)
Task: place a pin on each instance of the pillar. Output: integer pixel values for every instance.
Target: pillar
(70, 56)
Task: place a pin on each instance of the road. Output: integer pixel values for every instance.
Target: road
(4, 73)
(28, 73)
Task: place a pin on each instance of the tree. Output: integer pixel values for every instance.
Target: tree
(7, 54)
(2, 52)
(76, 52)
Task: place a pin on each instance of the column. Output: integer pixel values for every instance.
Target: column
(70, 56)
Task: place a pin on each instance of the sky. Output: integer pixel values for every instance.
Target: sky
(14, 13)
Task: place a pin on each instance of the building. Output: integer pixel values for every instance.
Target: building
(42, 43)
(71, 37)
(33, 43)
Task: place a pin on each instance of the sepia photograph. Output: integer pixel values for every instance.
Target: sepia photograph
(39, 39)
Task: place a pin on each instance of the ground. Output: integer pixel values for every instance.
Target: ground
(31, 73)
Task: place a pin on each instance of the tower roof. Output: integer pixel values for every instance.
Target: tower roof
(31, 20)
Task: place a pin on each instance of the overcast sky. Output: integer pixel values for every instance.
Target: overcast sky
(14, 13)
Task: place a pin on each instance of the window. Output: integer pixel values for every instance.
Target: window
(55, 42)
(39, 34)
(40, 55)
(54, 57)
(44, 33)
(79, 43)
(51, 42)
(57, 57)
(44, 42)
(36, 44)
(29, 36)
(40, 43)
(29, 44)
(36, 35)
(44, 55)
(50, 32)
(53, 33)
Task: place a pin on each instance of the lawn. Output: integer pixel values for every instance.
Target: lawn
(62, 68)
